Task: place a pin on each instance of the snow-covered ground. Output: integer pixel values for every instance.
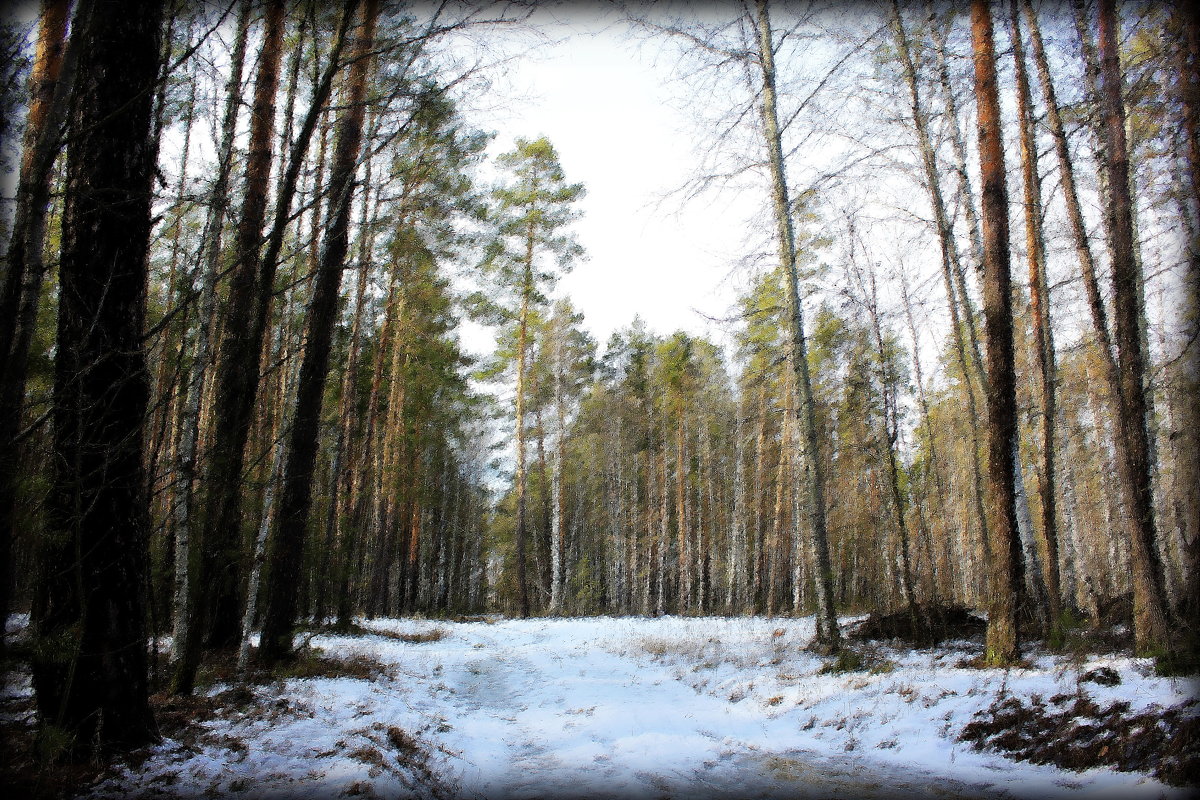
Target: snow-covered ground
(632, 708)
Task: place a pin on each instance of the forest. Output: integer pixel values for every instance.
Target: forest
(243, 239)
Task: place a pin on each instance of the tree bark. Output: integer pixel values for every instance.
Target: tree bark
(560, 437)
(90, 663)
(1188, 378)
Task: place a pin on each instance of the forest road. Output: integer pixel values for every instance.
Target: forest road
(530, 715)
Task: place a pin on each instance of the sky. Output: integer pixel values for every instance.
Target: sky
(615, 119)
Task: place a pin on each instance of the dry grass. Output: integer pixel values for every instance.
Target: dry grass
(419, 637)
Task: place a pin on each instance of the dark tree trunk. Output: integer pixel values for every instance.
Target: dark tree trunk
(90, 667)
(1007, 567)
(1189, 366)
(286, 546)
(1150, 625)
(22, 286)
(237, 372)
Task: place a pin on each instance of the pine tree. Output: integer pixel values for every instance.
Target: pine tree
(1003, 635)
(530, 211)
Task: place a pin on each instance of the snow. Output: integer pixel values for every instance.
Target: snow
(633, 708)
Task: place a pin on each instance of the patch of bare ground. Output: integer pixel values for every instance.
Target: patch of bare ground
(307, 661)
(1073, 732)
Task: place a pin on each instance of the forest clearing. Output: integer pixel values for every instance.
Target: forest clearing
(622, 707)
(519, 399)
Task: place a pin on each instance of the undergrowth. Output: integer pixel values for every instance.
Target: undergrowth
(1073, 732)
(857, 659)
(354, 629)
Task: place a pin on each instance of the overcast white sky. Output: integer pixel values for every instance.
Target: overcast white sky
(609, 111)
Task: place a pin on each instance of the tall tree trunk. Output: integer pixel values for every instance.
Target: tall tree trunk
(237, 373)
(519, 477)
(560, 434)
(90, 663)
(1150, 609)
(286, 546)
(968, 314)
(184, 601)
(339, 473)
(828, 633)
(1039, 302)
(1188, 375)
(49, 85)
(1003, 634)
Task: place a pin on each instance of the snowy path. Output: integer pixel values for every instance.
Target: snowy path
(630, 708)
(552, 717)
